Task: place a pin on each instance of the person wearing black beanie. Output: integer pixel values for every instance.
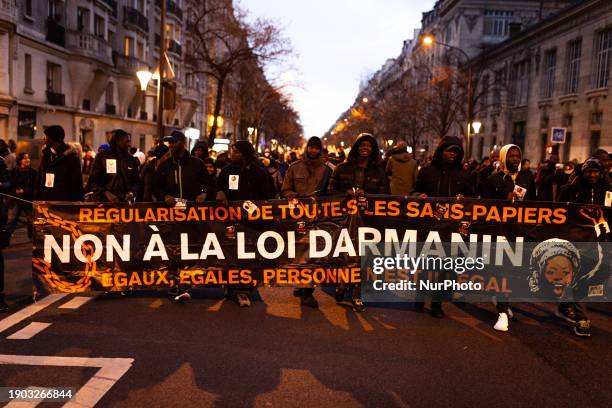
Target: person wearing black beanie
(60, 175)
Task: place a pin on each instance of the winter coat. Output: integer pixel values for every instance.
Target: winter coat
(184, 178)
(442, 180)
(499, 185)
(584, 193)
(124, 179)
(305, 177)
(345, 176)
(59, 176)
(402, 170)
(253, 182)
(23, 179)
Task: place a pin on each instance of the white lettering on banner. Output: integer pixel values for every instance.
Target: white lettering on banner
(313, 251)
(275, 245)
(155, 242)
(242, 253)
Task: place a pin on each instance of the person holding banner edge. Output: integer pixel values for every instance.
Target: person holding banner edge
(444, 177)
(243, 179)
(177, 180)
(362, 173)
(306, 178)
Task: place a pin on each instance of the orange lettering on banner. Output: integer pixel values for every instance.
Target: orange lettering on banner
(412, 209)
(427, 211)
(492, 285)
(98, 214)
(529, 216)
(266, 212)
(560, 216)
(85, 215)
(162, 214)
(478, 210)
(351, 207)
(508, 213)
(180, 215)
(545, 215)
(493, 215)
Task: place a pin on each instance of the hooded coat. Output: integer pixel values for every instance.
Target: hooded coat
(500, 184)
(306, 177)
(65, 167)
(345, 176)
(443, 180)
(402, 171)
(579, 191)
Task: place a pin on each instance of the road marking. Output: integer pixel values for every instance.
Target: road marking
(29, 311)
(75, 302)
(29, 331)
(111, 370)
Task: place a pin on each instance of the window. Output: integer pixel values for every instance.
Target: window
(109, 94)
(603, 51)
(596, 118)
(28, 8)
(99, 28)
(140, 50)
(82, 19)
(548, 74)
(574, 54)
(28, 73)
(128, 47)
(497, 87)
(54, 78)
(521, 83)
(568, 120)
(496, 23)
(594, 142)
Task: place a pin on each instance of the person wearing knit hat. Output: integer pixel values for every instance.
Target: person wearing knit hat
(308, 177)
(243, 179)
(60, 175)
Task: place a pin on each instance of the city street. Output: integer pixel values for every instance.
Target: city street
(209, 352)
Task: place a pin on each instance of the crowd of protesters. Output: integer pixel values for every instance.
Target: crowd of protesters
(171, 174)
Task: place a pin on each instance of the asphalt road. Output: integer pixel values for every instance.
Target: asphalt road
(209, 352)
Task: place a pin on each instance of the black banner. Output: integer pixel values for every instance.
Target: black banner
(521, 250)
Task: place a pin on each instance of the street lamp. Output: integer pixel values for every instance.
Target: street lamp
(144, 76)
(365, 100)
(429, 40)
(476, 126)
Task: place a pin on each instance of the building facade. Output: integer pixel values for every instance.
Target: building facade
(74, 63)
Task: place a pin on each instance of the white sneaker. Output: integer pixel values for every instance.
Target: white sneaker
(510, 314)
(243, 299)
(502, 323)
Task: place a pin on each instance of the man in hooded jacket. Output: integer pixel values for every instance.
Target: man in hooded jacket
(59, 176)
(306, 178)
(361, 173)
(444, 177)
(502, 185)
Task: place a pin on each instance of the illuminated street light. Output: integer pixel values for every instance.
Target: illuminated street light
(390, 142)
(427, 40)
(144, 76)
(476, 127)
(342, 144)
(365, 100)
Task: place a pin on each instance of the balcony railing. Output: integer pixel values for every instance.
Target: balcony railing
(89, 45)
(7, 10)
(191, 93)
(127, 64)
(110, 109)
(113, 5)
(172, 8)
(134, 18)
(56, 33)
(54, 98)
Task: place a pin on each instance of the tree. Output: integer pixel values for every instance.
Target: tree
(224, 41)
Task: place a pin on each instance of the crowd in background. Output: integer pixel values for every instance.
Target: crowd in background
(172, 174)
